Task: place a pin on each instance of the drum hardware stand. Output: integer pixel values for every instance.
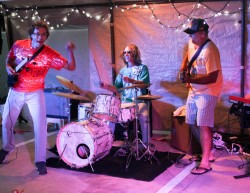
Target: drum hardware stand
(135, 144)
(148, 152)
(68, 110)
(123, 150)
(89, 161)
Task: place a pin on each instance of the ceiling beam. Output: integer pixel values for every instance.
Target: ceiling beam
(107, 4)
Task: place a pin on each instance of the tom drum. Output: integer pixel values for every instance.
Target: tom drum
(127, 112)
(84, 111)
(107, 107)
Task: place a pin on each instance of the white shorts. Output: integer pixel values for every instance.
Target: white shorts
(200, 110)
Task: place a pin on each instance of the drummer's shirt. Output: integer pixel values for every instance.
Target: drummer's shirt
(31, 76)
(139, 72)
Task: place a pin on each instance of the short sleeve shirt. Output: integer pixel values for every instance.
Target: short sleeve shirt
(31, 76)
(139, 72)
(208, 61)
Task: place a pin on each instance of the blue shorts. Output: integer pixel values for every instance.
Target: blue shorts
(200, 110)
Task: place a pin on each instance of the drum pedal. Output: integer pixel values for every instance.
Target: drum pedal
(122, 152)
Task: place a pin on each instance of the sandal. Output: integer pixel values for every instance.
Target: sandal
(198, 159)
(200, 170)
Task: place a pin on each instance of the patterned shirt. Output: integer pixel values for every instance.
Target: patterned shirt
(140, 73)
(31, 76)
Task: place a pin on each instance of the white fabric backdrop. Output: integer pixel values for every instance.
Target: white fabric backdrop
(162, 50)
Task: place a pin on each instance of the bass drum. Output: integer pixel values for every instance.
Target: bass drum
(82, 143)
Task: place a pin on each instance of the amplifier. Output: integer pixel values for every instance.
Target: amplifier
(58, 106)
(243, 112)
(182, 137)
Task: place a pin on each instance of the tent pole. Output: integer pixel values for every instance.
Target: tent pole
(243, 48)
(112, 43)
(9, 31)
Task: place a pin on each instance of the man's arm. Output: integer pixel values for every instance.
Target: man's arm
(203, 79)
(184, 63)
(71, 65)
(10, 66)
(108, 87)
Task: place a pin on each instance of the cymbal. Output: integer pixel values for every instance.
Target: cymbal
(69, 84)
(149, 97)
(135, 86)
(71, 96)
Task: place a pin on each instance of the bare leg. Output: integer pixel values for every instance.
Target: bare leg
(196, 132)
(206, 144)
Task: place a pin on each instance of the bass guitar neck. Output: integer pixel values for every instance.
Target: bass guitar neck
(19, 66)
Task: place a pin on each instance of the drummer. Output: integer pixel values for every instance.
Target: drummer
(133, 73)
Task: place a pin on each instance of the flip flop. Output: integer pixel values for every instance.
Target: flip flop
(203, 170)
(195, 159)
(199, 159)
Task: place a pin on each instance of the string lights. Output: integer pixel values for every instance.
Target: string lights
(186, 18)
(36, 14)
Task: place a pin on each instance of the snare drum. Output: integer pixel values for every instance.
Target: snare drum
(84, 111)
(127, 112)
(82, 143)
(107, 107)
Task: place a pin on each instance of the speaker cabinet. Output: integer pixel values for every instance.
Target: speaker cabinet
(182, 137)
(58, 106)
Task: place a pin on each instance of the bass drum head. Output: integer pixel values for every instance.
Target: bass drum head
(82, 143)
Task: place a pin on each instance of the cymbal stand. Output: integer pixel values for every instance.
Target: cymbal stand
(148, 152)
(135, 144)
(124, 149)
(68, 110)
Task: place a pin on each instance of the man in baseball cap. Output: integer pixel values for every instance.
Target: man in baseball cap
(197, 25)
(205, 81)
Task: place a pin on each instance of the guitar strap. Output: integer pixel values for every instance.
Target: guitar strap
(18, 67)
(197, 53)
(12, 79)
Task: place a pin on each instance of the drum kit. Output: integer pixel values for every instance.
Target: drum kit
(89, 139)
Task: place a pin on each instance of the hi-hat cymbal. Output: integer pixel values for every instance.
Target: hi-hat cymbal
(136, 86)
(69, 84)
(71, 96)
(148, 97)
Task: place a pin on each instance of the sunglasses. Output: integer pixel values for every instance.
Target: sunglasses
(127, 52)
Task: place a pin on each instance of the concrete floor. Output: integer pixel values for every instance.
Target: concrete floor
(18, 173)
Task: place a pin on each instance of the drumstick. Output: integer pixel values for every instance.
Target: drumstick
(102, 82)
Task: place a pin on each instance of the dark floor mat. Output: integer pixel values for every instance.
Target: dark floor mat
(144, 169)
